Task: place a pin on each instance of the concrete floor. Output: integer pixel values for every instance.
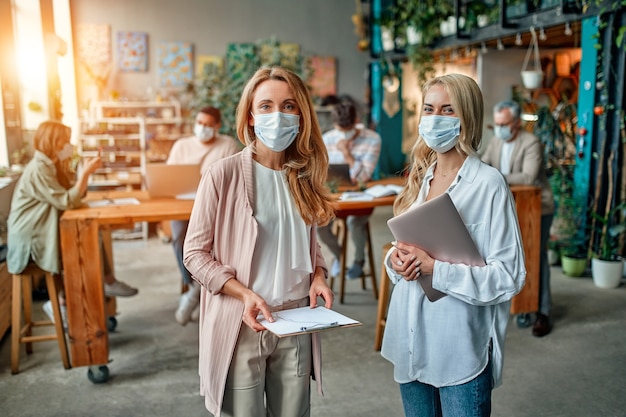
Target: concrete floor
(577, 370)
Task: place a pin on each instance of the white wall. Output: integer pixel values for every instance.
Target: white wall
(320, 27)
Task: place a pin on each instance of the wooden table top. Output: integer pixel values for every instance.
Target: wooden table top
(159, 209)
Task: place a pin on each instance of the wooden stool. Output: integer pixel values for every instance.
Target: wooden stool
(22, 300)
(383, 302)
(342, 232)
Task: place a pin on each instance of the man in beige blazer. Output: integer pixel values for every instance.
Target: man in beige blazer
(519, 157)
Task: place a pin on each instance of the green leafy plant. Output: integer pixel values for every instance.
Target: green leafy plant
(569, 237)
(609, 228)
(221, 85)
(425, 17)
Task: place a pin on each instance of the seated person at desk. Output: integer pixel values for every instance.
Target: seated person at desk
(46, 188)
(203, 148)
(350, 142)
(519, 156)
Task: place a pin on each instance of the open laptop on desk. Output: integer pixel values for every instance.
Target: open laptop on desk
(340, 174)
(174, 180)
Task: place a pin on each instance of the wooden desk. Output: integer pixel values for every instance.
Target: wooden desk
(82, 265)
(87, 328)
(528, 205)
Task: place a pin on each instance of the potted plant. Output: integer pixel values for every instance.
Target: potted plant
(608, 229)
(422, 21)
(568, 227)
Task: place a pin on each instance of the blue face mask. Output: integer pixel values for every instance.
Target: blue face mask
(503, 132)
(276, 130)
(441, 133)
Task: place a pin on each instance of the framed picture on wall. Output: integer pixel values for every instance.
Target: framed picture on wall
(323, 78)
(132, 51)
(175, 63)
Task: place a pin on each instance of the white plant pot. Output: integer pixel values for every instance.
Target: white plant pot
(386, 37)
(413, 36)
(553, 257)
(532, 79)
(482, 20)
(606, 274)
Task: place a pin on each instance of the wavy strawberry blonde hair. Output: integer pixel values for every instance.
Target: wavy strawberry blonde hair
(306, 160)
(49, 139)
(467, 101)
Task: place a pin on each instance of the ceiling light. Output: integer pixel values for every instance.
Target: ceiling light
(568, 29)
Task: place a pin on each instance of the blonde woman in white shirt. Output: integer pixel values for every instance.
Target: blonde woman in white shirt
(448, 354)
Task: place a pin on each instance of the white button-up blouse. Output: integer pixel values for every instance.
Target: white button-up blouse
(447, 342)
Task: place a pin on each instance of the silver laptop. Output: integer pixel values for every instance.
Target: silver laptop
(175, 180)
(340, 174)
(436, 227)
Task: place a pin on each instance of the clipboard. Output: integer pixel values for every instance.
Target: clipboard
(305, 320)
(437, 228)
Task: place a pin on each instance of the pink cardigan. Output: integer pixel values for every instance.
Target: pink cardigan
(220, 241)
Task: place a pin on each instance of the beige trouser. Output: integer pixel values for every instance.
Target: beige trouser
(269, 373)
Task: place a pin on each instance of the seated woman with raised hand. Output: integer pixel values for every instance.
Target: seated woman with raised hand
(46, 188)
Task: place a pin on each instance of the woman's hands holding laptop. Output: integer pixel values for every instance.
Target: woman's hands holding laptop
(410, 261)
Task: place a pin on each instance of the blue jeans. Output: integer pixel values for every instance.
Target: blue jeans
(179, 231)
(472, 399)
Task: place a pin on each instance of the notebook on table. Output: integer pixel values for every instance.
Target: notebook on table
(340, 174)
(173, 180)
(437, 228)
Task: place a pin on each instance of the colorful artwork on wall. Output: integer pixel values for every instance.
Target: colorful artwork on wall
(203, 61)
(323, 78)
(175, 61)
(132, 51)
(93, 54)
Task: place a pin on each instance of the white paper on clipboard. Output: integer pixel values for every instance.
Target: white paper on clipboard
(306, 320)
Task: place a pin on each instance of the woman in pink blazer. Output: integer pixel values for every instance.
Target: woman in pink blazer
(251, 245)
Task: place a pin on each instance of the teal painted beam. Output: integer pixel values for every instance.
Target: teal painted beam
(391, 161)
(586, 101)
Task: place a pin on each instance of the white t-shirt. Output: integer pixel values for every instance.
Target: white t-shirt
(191, 150)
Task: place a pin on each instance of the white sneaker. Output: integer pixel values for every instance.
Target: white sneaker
(188, 302)
(47, 308)
(119, 289)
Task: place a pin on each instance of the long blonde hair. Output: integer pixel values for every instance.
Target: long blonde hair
(306, 160)
(49, 139)
(467, 101)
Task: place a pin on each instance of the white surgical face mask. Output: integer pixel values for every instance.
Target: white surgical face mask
(204, 133)
(441, 133)
(276, 130)
(66, 152)
(503, 132)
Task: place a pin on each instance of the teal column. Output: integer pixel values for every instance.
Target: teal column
(391, 161)
(586, 101)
